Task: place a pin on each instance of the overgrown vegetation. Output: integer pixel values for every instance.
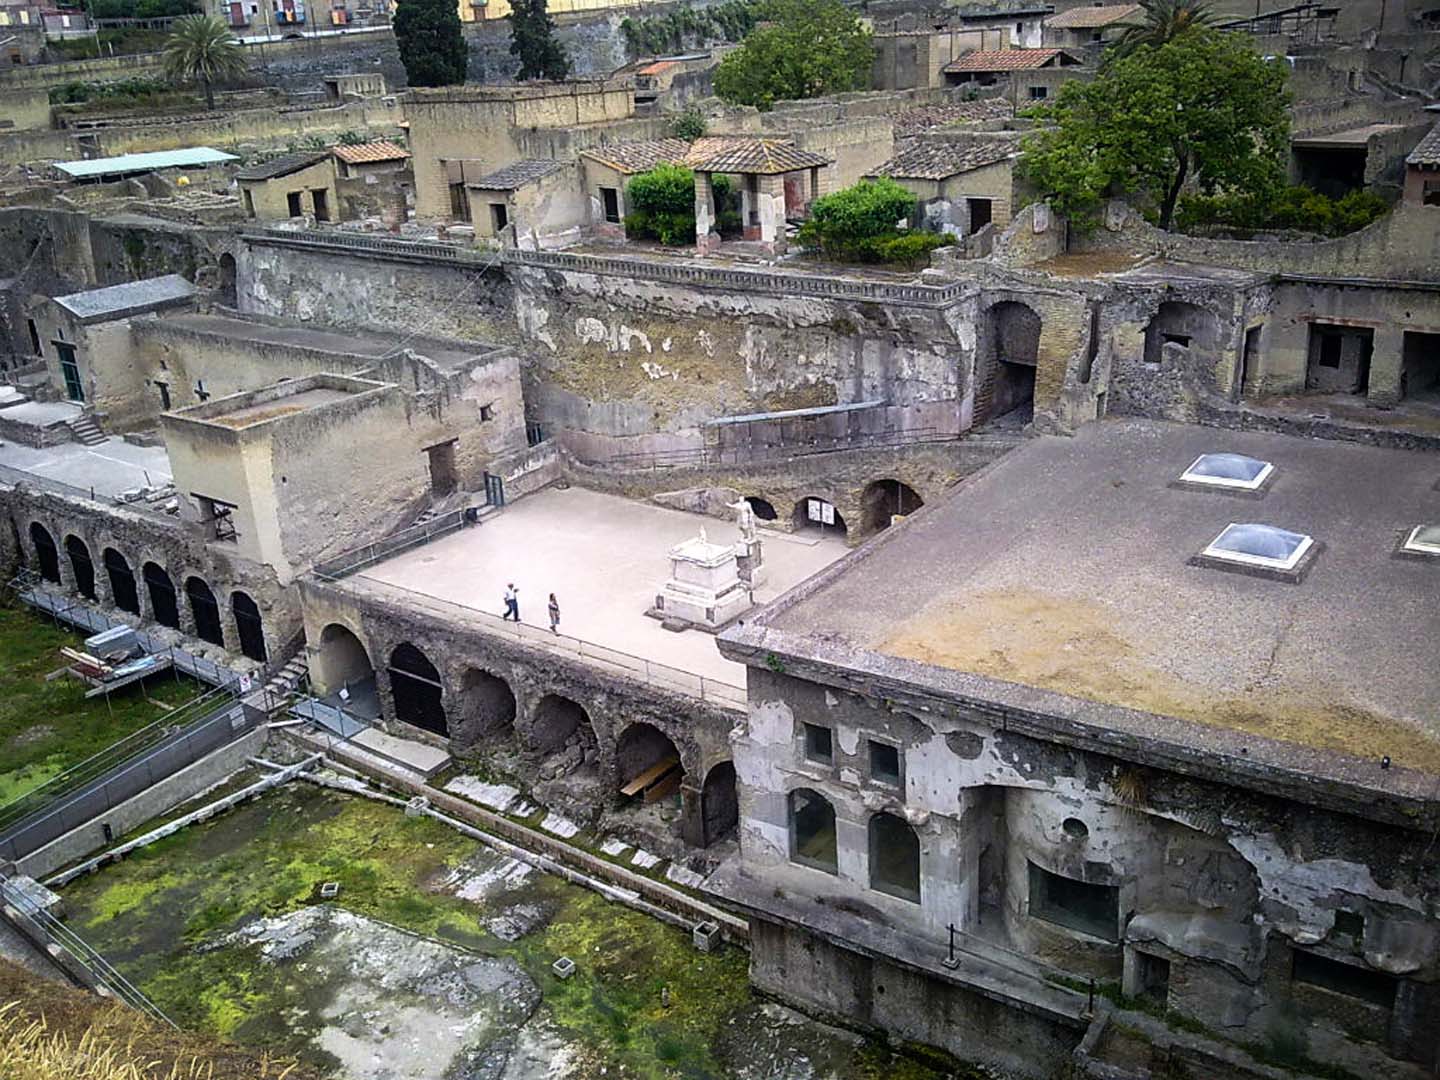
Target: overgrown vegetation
(1154, 123)
(689, 125)
(1289, 208)
(48, 726)
(861, 224)
(52, 1031)
(662, 206)
(804, 49)
(135, 92)
(685, 27)
(432, 49)
(532, 40)
(125, 42)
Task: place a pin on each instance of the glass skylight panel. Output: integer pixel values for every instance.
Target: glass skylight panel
(1260, 545)
(1228, 470)
(1424, 540)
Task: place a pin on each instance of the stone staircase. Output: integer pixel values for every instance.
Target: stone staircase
(287, 680)
(86, 431)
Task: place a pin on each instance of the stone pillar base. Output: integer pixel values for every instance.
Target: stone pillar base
(707, 244)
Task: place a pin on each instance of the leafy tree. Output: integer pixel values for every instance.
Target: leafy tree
(532, 39)
(861, 223)
(1292, 207)
(809, 48)
(202, 49)
(432, 48)
(1161, 21)
(689, 125)
(1204, 109)
(662, 205)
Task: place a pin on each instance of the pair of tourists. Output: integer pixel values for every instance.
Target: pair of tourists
(512, 607)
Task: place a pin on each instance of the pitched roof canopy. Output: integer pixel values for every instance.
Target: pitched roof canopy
(517, 174)
(364, 153)
(282, 166)
(1008, 60)
(938, 159)
(1092, 17)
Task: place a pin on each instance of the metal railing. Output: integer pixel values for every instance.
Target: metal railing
(356, 559)
(33, 919)
(707, 456)
(718, 691)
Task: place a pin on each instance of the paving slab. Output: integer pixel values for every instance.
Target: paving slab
(419, 757)
(683, 875)
(644, 859)
(562, 827)
(613, 847)
(497, 797)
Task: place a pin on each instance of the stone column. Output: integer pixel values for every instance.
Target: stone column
(706, 239)
(815, 183)
(1387, 358)
(771, 204)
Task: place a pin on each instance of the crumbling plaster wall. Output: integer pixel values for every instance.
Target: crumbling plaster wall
(180, 551)
(458, 644)
(1222, 875)
(615, 357)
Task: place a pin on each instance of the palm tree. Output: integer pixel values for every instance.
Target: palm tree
(202, 49)
(1159, 22)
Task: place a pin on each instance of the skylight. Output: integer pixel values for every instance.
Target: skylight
(1260, 545)
(1423, 540)
(1228, 471)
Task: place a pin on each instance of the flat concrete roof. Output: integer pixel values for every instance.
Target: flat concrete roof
(128, 298)
(367, 345)
(1349, 139)
(191, 157)
(1067, 567)
(605, 558)
(108, 468)
(275, 407)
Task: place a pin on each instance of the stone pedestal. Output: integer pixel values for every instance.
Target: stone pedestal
(750, 563)
(704, 589)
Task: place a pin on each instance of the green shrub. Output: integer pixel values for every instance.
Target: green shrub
(861, 223)
(662, 204)
(910, 249)
(1293, 207)
(689, 125)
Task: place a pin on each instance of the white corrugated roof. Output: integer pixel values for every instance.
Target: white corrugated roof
(157, 159)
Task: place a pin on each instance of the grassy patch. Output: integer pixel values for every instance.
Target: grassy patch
(46, 727)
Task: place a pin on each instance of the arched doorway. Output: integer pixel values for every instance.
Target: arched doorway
(487, 705)
(763, 509)
(417, 691)
(885, 500)
(163, 603)
(205, 611)
(248, 625)
(720, 802)
(816, 514)
(812, 831)
(82, 567)
(647, 764)
(894, 857)
(122, 581)
(46, 556)
(557, 721)
(341, 663)
(227, 280)
(1009, 353)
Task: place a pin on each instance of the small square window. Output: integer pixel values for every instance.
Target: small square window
(1350, 924)
(1039, 93)
(487, 412)
(884, 763)
(819, 744)
(1183, 340)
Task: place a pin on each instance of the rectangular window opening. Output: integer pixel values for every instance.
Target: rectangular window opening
(884, 763)
(499, 216)
(1039, 93)
(1152, 978)
(1183, 340)
(487, 412)
(1373, 987)
(35, 338)
(819, 744)
(610, 198)
(1075, 905)
(292, 204)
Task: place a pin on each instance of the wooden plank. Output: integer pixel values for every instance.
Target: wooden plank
(639, 783)
(667, 785)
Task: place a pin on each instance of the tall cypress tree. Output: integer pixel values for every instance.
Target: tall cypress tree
(431, 45)
(532, 39)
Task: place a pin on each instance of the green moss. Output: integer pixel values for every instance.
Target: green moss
(46, 727)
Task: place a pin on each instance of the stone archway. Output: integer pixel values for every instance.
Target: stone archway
(164, 605)
(647, 763)
(719, 803)
(227, 294)
(249, 626)
(82, 566)
(205, 611)
(341, 672)
(817, 513)
(487, 708)
(557, 720)
(763, 509)
(123, 590)
(416, 690)
(47, 557)
(885, 500)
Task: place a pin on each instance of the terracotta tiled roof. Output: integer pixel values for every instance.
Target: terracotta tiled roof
(1005, 60)
(929, 117)
(765, 157)
(1427, 150)
(1092, 17)
(364, 153)
(516, 175)
(639, 156)
(659, 67)
(937, 159)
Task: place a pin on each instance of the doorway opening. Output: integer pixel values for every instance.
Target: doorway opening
(443, 480)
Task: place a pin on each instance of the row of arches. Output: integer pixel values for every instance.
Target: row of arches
(880, 503)
(893, 845)
(159, 589)
(648, 764)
